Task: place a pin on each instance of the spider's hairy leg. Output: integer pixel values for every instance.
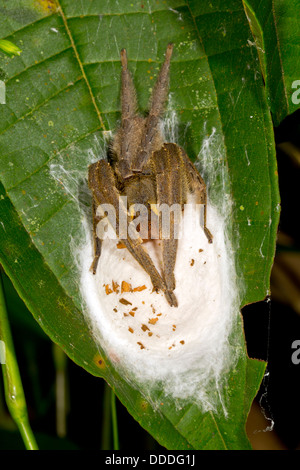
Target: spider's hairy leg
(128, 109)
(158, 100)
(171, 188)
(97, 241)
(102, 183)
(161, 89)
(128, 94)
(197, 187)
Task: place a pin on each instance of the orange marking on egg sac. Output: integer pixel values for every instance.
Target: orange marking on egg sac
(139, 288)
(120, 245)
(125, 302)
(108, 290)
(115, 287)
(125, 287)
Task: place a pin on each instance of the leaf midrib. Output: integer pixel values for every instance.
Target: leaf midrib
(64, 18)
(280, 58)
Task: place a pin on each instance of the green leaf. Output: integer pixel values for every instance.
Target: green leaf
(62, 96)
(276, 30)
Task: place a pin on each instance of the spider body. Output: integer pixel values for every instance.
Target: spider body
(148, 172)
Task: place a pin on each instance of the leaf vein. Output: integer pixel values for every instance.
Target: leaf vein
(80, 64)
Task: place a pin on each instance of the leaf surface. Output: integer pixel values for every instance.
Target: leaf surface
(276, 30)
(62, 98)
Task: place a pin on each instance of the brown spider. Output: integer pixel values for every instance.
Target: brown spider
(147, 171)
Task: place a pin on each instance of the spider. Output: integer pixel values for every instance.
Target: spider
(147, 171)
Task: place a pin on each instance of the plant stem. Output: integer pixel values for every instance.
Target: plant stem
(14, 393)
(60, 361)
(114, 421)
(106, 420)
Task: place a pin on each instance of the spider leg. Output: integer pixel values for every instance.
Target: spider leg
(128, 96)
(128, 107)
(171, 189)
(97, 241)
(102, 184)
(197, 187)
(158, 100)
